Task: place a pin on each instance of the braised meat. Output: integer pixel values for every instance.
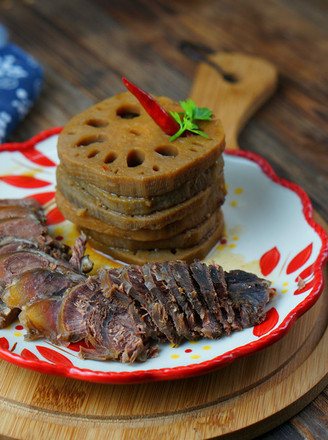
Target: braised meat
(25, 245)
(247, 293)
(30, 205)
(112, 331)
(191, 301)
(7, 314)
(84, 313)
(16, 263)
(12, 244)
(121, 313)
(29, 228)
(37, 283)
(24, 219)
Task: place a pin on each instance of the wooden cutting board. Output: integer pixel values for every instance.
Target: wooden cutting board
(241, 401)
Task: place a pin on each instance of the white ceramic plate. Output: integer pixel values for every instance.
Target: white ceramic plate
(269, 231)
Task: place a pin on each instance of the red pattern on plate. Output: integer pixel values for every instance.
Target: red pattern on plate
(53, 356)
(300, 259)
(54, 216)
(43, 198)
(27, 354)
(24, 181)
(4, 343)
(39, 158)
(269, 261)
(23, 146)
(271, 319)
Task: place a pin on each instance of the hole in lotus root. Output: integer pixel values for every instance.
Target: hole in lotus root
(128, 112)
(167, 150)
(88, 140)
(135, 158)
(173, 251)
(96, 123)
(155, 168)
(110, 157)
(92, 153)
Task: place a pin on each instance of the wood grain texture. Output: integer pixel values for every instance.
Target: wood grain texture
(86, 46)
(234, 102)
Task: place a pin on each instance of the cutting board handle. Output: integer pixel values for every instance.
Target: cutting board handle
(234, 102)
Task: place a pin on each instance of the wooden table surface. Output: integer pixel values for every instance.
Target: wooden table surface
(86, 47)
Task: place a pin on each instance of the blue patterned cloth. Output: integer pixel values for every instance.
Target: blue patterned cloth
(21, 79)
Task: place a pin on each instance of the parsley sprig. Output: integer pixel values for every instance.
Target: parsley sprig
(191, 114)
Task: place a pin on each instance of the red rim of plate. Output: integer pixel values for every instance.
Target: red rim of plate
(215, 363)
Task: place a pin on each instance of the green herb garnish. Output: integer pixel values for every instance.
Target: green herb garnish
(191, 114)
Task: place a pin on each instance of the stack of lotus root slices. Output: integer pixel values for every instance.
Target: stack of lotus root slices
(136, 195)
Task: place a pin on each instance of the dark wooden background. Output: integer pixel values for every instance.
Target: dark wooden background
(86, 47)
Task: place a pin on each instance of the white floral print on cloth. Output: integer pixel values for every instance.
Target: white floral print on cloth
(21, 78)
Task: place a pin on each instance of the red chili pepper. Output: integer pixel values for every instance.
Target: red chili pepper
(162, 118)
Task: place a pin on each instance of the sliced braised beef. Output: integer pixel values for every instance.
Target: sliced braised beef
(30, 205)
(25, 245)
(210, 327)
(37, 283)
(109, 326)
(201, 275)
(16, 263)
(122, 312)
(167, 297)
(227, 314)
(13, 244)
(24, 219)
(132, 282)
(161, 306)
(163, 273)
(27, 228)
(39, 317)
(60, 317)
(84, 313)
(249, 295)
(169, 292)
(7, 314)
(11, 212)
(112, 287)
(139, 291)
(73, 316)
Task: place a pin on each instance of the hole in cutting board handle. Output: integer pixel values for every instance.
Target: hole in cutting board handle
(230, 77)
(200, 53)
